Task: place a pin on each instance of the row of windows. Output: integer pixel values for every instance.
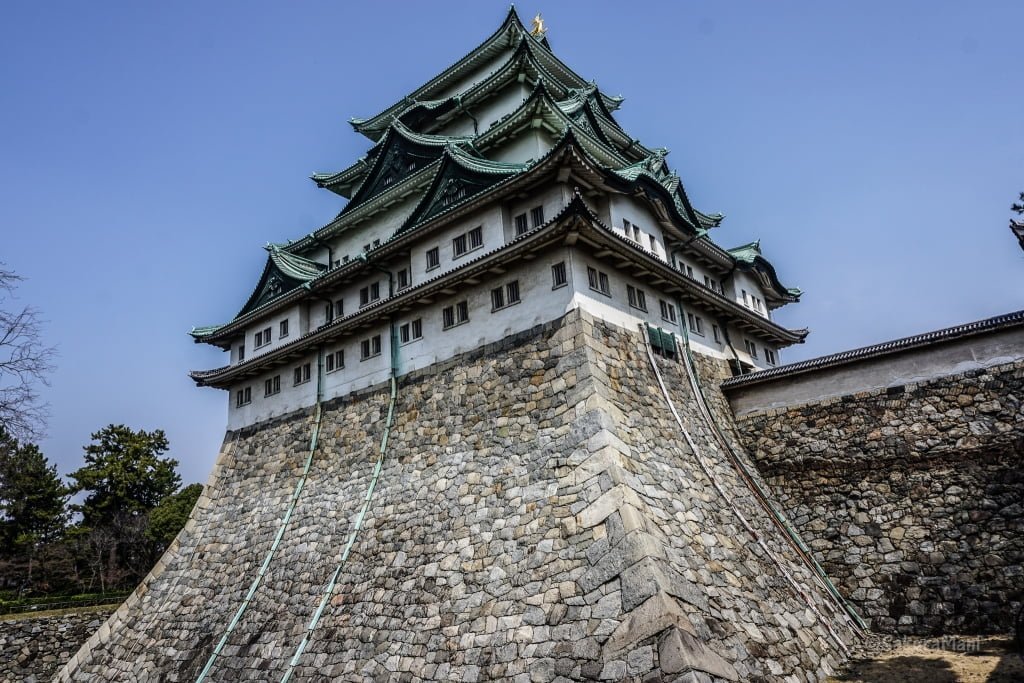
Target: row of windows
(632, 231)
(264, 337)
(751, 301)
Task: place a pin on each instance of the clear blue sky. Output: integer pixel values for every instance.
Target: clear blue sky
(149, 150)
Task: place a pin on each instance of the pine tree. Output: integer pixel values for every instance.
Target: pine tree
(33, 505)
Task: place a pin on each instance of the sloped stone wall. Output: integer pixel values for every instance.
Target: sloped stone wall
(912, 497)
(539, 517)
(33, 648)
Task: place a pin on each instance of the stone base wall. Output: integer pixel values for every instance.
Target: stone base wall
(912, 497)
(539, 517)
(32, 649)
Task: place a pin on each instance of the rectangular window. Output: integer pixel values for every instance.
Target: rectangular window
(746, 300)
(433, 259)
(497, 298)
(334, 361)
(521, 226)
(403, 278)
(459, 245)
(717, 333)
(272, 386)
(769, 356)
(688, 271)
(637, 298)
(366, 247)
(369, 348)
(339, 308)
(558, 275)
(283, 329)
(512, 292)
(751, 348)
(417, 328)
(376, 243)
(329, 311)
(636, 233)
(668, 311)
(476, 237)
(627, 228)
(243, 397)
(654, 242)
(337, 262)
(537, 215)
(455, 315)
(696, 324)
(241, 353)
(302, 374)
(598, 281)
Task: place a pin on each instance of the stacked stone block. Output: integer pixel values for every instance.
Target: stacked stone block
(912, 497)
(539, 517)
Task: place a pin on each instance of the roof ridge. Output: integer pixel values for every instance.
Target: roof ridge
(881, 349)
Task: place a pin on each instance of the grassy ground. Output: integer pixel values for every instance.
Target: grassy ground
(57, 612)
(967, 659)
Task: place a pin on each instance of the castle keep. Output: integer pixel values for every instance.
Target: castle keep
(475, 426)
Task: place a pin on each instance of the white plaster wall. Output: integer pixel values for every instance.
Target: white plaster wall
(745, 281)
(528, 144)
(292, 314)
(489, 219)
(487, 112)
(539, 303)
(912, 366)
(380, 226)
(637, 213)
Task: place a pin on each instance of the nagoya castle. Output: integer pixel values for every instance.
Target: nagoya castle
(475, 429)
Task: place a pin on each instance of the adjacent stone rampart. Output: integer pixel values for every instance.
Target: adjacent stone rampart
(33, 648)
(912, 495)
(539, 517)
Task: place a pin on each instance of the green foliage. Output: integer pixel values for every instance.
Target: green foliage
(167, 518)
(124, 474)
(33, 500)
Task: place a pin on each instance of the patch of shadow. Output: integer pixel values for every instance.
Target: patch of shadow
(900, 669)
(1010, 668)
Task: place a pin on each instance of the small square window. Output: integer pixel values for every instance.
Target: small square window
(521, 225)
(433, 259)
(370, 347)
(696, 324)
(598, 281)
(770, 357)
(334, 361)
(411, 331)
(302, 374)
(243, 397)
(459, 245)
(272, 386)
(537, 215)
(668, 311)
(751, 348)
(558, 275)
(636, 297)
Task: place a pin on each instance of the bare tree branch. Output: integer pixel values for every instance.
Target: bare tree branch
(25, 363)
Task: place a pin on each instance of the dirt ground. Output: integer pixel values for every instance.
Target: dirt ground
(950, 659)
